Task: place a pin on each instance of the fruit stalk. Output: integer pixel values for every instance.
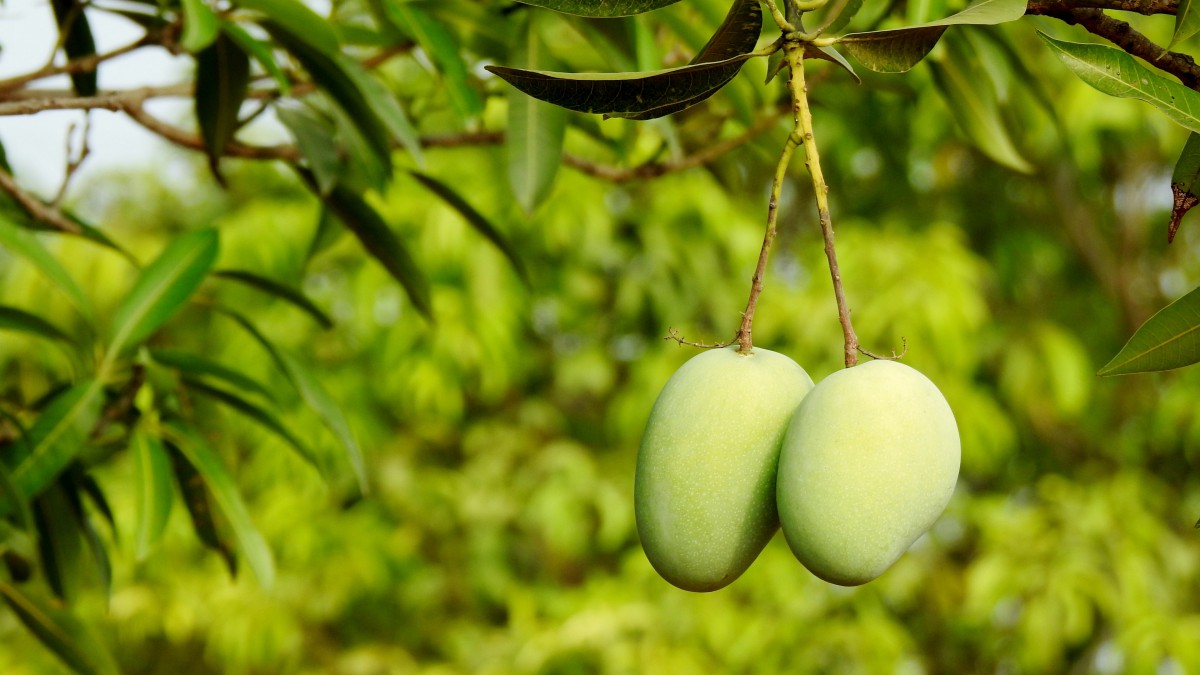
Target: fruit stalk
(804, 124)
(745, 344)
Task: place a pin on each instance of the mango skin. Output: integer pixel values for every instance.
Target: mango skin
(868, 464)
(704, 491)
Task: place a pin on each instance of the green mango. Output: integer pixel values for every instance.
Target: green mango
(868, 464)
(704, 492)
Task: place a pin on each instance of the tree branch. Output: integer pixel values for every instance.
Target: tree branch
(39, 210)
(1147, 7)
(1123, 35)
(80, 65)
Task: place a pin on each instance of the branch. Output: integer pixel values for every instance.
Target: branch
(80, 65)
(1147, 7)
(39, 210)
(1121, 34)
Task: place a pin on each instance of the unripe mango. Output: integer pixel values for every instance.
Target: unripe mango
(868, 464)
(704, 493)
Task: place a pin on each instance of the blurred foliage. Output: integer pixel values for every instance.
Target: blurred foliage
(497, 535)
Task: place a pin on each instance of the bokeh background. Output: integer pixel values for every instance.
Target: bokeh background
(498, 536)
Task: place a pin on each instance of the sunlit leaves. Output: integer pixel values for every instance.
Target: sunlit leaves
(1116, 73)
(1187, 22)
(601, 8)
(1169, 339)
(56, 437)
(299, 21)
(15, 319)
(196, 366)
(443, 48)
(899, 49)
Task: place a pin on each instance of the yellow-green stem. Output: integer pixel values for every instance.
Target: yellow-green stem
(804, 124)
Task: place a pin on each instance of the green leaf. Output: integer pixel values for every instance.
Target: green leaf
(279, 290)
(328, 232)
(382, 243)
(825, 54)
(224, 493)
(77, 41)
(443, 48)
(323, 404)
(257, 413)
(899, 49)
(59, 630)
(622, 92)
(737, 34)
(222, 79)
(153, 491)
(19, 320)
(1169, 339)
(56, 437)
(199, 26)
(315, 138)
(971, 97)
(198, 500)
(1187, 23)
(1184, 183)
(535, 129)
(162, 288)
(10, 494)
(299, 21)
(60, 541)
(390, 113)
(26, 245)
(474, 218)
(846, 10)
(1113, 72)
(198, 366)
(260, 51)
(601, 8)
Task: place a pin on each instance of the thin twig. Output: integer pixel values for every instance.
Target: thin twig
(893, 357)
(36, 208)
(81, 65)
(74, 160)
(673, 334)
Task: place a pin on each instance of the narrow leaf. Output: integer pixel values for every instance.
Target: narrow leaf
(443, 48)
(257, 413)
(1169, 339)
(315, 138)
(77, 41)
(295, 16)
(474, 218)
(222, 79)
(1187, 23)
(153, 491)
(260, 51)
(59, 630)
(198, 501)
(1113, 72)
(19, 320)
(199, 366)
(26, 245)
(325, 406)
(225, 494)
(199, 26)
(899, 49)
(282, 291)
(60, 541)
(162, 288)
(390, 113)
(56, 437)
(1184, 183)
(601, 8)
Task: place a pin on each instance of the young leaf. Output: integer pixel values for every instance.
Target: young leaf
(899, 49)
(536, 129)
(77, 41)
(474, 218)
(224, 493)
(1184, 183)
(198, 366)
(443, 48)
(222, 79)
(622, 92)
(1169, 339)
(282, 291)
(1187, 23)
(162, 288)
(55, 437)
(153, 491)
(601, 8)
(15, 319)
(59, 630)
(257, 413)
(382, 243)
(199, 26)
(1113, 72)
(298, 20)
(971, 97)
(26, 245)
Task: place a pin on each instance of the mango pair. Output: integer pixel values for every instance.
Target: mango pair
(854, 469)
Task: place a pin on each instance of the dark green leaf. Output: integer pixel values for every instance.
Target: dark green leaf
(224, 493)
(11, 499)
(308, 27)
(737, 34)
(257, 413)
(162, 287)
(323, 404)
(222, 79)
(279, 290)
(15, 319)
(198, 500)
(382, 243)
(1184, 183)
(87, 485)
(1187, 23)
(198, 366)
(56, 437)
(315, 138)
(260, 51)
(59, 630)
(622, 92)
(199, 26)
(443, 48)
(473, 217)
(1169, 339)
(77, 41)
(60, 541)
(601, 8)
(26, 245)
(1113, 72)
(153, 491)
(899, 49)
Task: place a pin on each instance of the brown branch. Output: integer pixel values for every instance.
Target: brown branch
(81, 65)
(192, 141)
(1123, 35)
(1147, 7)
(39, 210)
